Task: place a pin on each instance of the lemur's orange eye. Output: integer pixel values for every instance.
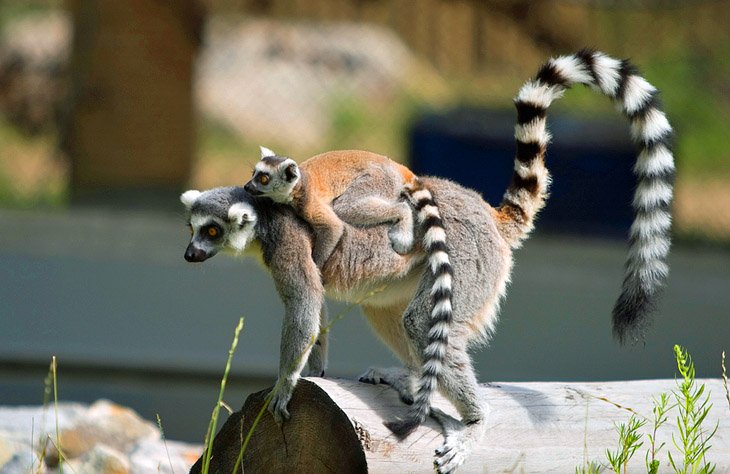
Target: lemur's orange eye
(212, 232)
(264, 179)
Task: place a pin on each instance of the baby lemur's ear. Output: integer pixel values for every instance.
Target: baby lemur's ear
(189, 197)
(241, 214)
(266, 152)
(291, 170)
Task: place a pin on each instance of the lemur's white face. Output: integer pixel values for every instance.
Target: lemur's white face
(274, 177)
(211, 232)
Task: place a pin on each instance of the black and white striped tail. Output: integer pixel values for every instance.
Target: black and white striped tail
(434, 242)
(646, 267)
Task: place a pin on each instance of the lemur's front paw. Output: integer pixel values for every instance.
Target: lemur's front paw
(279, 402)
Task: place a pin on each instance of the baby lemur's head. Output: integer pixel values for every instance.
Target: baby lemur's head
(219, 219)
(274, 177)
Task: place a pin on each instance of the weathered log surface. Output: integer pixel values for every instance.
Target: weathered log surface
(337, 426)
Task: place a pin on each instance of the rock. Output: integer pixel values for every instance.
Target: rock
(105, 423)
(275, 81)
(7, 449)
(102, 460)
(19, 423)
(152, 456)
(14, 454)
(20, 463)
(103, 438)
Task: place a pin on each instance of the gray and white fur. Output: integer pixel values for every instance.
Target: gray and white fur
(396, 292)
(646, 267)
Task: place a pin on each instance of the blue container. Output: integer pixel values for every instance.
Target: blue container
(590, 162)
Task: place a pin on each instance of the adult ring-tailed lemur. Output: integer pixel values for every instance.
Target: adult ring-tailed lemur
(480, 242)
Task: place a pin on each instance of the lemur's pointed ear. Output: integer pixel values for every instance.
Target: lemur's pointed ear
(291, 170)
(266, 152)
(189, 197)
(240, 214)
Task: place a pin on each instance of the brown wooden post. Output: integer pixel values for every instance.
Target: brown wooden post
(130, 131)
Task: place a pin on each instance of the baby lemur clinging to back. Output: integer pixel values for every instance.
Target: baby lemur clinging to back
(311, 188)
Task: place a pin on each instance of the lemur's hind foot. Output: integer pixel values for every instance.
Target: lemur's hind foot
(401, 232)
(398, 378)
(459, 441)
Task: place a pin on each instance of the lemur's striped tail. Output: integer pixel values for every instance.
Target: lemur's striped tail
(434, 242)
(646, 268)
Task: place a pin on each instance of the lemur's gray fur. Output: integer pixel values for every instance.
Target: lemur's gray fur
(480, 242)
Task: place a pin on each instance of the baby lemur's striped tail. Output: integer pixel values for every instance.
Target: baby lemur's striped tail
(646, 268)
(434, 242)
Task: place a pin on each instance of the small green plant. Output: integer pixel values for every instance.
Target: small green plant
(693, 438)
(216, 410)
(661, 406)
(724, 379)
(164, 441)
(629, 440)
(693, 407)
(589, 468)
(50, 386)
(55, 410)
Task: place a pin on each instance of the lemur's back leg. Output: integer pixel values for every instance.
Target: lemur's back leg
(375, 210)
(387, 323)
(399, 378)
(375, 198)
(457, 382)
(328, 229)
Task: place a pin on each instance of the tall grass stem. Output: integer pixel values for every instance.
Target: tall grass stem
(213, 425)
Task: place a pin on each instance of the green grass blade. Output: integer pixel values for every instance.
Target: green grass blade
(213, 425)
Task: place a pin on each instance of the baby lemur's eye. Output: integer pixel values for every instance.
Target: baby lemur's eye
(213, 232)
(264, 179)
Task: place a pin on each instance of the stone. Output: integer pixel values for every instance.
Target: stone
(107, 423)
(103, 438)
(102, 459)
(152, 456)
(19, 463)
(20, 422)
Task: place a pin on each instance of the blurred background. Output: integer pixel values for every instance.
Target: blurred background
(108, 110)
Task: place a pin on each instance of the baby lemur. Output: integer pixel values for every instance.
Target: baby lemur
(312, 187)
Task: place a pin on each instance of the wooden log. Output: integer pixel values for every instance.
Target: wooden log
(337, 426)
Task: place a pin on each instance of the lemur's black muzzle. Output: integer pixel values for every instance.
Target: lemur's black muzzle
(194, 254)
(250, 189)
